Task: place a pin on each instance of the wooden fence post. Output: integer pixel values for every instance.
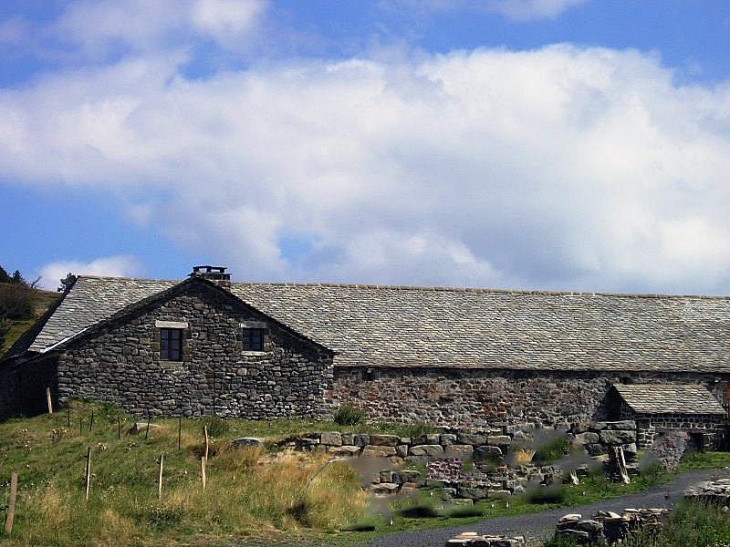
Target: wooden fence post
(68, 417)
(49, 402)
(91, 421)
(202, 470)
(119, 428)
(88, 473)
(179, 432)
(11, 503)
(147, 431)
(159, 479)
(207, 441)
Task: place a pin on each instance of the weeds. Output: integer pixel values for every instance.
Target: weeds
(348, 414)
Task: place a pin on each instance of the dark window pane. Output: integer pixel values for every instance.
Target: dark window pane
(171, 344)
(253, 339)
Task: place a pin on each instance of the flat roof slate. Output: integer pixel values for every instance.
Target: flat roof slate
(669, 399)
(381, 326)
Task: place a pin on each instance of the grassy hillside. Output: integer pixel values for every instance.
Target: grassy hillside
(42, 300)
(250, 494)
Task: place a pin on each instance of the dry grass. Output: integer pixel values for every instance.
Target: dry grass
(249, 492)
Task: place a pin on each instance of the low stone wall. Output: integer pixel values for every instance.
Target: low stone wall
(496, 469)
(607, 526)
(714, 491)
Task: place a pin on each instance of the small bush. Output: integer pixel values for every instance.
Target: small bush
(552, 451)
(217, 426)
(349, 414)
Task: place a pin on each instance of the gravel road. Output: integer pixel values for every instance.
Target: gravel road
(541, 525)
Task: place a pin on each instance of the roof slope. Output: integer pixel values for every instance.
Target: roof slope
(466, 328)
(669, 399)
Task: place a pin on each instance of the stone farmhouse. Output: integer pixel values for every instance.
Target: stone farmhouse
(467, 358)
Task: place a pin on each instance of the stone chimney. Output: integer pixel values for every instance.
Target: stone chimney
(216, 274)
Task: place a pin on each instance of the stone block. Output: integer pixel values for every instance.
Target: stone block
(378, 451)
(402, 450)
(473, 492)
(384, 489)
(409, 475)
(361, 439)
(430, 450)
(615, 437)
(246, 441)
(447, 439)
(426, 438)
(473, 439)
(384, 440)
(346, 451)
(586, 438)
(331, 438)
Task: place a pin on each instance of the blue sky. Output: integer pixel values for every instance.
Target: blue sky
(551, 144)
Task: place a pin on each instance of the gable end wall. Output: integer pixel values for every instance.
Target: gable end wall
(121, 364)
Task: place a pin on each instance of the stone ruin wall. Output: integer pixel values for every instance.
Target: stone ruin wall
(121, 365)
(492, 398)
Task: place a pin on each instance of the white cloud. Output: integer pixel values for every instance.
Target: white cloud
(514, 10)
(100, 27)
(114, 266)
(564, 167)
(530, 10)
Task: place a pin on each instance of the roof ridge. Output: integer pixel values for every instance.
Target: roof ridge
(437, 288)
(429, 288)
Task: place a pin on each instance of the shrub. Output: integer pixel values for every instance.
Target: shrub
(349, 414)
(552, 451)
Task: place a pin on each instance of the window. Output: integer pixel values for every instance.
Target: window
(253, 339)
(171, 344)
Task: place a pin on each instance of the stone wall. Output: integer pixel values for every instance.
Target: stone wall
(710, 427)
(485, 398)
(121, 364)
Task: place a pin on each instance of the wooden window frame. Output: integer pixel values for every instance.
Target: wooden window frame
(253, 339)
(171, 346)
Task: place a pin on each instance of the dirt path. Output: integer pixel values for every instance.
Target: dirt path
(541, 525)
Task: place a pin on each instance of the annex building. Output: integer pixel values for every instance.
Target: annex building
(466, 358)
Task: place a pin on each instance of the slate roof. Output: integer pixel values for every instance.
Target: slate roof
(669, 399)
(467, 328)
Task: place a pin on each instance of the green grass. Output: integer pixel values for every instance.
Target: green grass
(705, 460)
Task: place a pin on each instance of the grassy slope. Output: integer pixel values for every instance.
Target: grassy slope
(244, 498)
(41, 299)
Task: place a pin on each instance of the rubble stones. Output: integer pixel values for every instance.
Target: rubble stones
(607, 526)
(472, 539)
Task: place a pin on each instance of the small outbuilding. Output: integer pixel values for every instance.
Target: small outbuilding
(661, 408)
